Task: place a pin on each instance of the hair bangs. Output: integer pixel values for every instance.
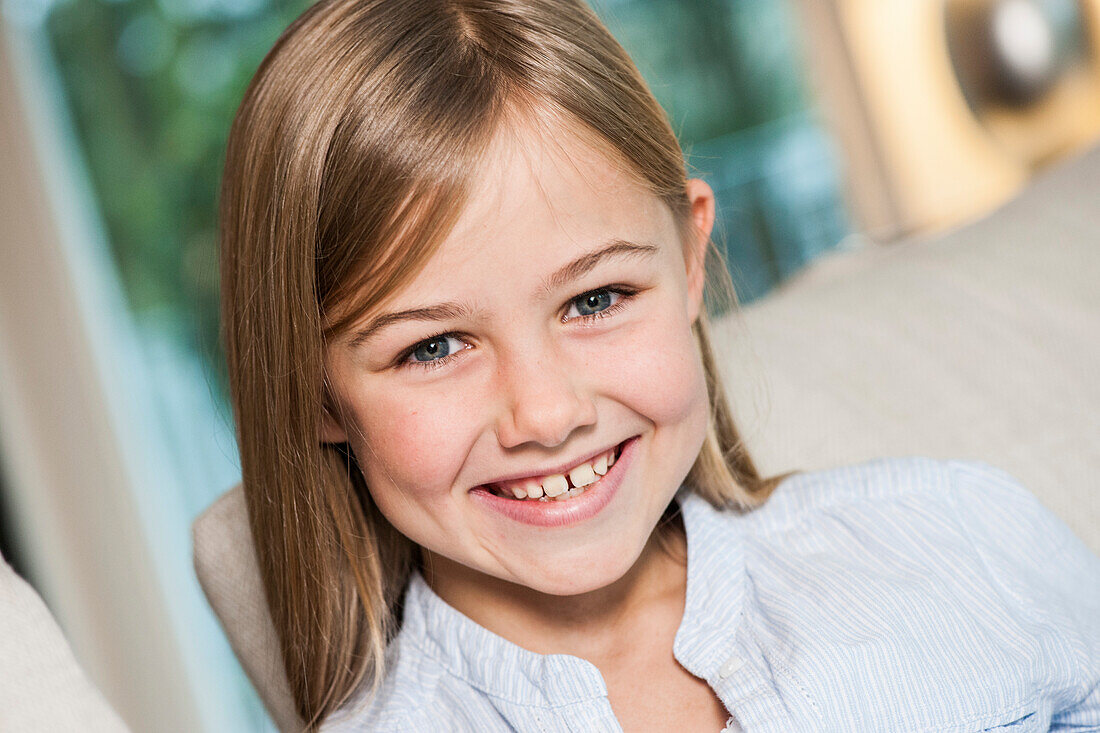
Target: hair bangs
(401, 164)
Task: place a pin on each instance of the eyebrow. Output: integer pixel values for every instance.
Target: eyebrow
(438, 312)
(451, 310)
(587, 262)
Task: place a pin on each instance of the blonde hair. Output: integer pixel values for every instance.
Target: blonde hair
(347, 162)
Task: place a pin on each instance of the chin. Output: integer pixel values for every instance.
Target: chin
(595, 571)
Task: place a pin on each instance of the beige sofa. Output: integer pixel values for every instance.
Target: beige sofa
(42, 688)
(983, 343)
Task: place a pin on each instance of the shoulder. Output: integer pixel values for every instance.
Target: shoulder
(914, 571)
(883, 484)
(416, 694)
(888, 507)
(967, 527)
(1039, 562)
(978, 497)
(943, 519)
(979, 506)
(419, 693)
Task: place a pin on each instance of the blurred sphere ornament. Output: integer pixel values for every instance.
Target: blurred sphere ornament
(1011, 52)
(1025, 55)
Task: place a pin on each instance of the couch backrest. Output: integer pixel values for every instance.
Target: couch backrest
(225, 562)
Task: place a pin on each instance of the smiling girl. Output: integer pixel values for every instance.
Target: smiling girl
(490, 471)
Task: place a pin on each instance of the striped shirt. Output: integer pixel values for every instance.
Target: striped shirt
(902, 594)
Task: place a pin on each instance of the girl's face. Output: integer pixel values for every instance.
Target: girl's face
(552, 327)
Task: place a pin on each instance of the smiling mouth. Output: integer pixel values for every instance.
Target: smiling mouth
(559, 486)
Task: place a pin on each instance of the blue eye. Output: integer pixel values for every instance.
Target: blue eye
(594, 304)
(435, 349)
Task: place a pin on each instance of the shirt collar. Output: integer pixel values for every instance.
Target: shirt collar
(715, 598)
(712, 610)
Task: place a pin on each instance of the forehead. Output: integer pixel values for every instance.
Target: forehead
(544, 194)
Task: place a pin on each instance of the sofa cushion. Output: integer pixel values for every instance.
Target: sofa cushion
(226, 565)
(42, 687)
(983, 343)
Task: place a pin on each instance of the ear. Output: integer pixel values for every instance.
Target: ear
(701, 198)
(331, 429)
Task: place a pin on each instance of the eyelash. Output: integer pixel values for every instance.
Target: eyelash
(626, 294)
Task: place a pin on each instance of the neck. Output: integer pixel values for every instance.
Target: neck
(590, 625)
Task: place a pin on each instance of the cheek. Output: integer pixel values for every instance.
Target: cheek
(660, 375)
(408, 449)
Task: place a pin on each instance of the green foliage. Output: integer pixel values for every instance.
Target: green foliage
(152, 89)
(153, 86)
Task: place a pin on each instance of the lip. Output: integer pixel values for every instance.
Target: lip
(562, 513)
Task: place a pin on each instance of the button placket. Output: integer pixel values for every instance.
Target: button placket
(730, 666)
(737, 691)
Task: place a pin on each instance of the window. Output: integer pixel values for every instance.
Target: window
(730, 75)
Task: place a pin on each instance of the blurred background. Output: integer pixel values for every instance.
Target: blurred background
(822, 124)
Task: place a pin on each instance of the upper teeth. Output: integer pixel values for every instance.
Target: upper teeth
(558, 484)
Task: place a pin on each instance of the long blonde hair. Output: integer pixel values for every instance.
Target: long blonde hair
(348, 161)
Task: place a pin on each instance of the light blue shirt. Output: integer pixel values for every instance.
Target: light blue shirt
(902, 594)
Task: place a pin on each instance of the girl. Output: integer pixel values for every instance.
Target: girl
(491, 474)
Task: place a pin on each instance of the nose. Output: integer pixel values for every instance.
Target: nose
(543, 399)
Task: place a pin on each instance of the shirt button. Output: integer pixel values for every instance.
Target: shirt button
(732, 664)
